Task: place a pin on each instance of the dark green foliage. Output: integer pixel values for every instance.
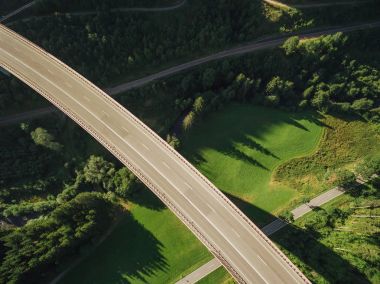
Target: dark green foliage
(8, 6)
(369, 167)
(344, 178)
(208, 78)
(316, 73)
(99, 172)
(22, 157)
(282, 91)
(43, 138)
(42, 243)
(104, 47)
(287, 216)
(188, 121)
(49, 6)
(124, 183)
(102, 173)
(25, 208)
(173, 141)
(332, 245)
(291, 45)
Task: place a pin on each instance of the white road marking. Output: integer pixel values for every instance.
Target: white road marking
(166, 165)
(106, 114)
(146, 147)
(188, 185)
(73, 98)
(220, 232)
(262, 260)
(208, 205)
(236, 233)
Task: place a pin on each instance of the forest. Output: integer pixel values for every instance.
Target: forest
(48, 6)
(52, 209)
(321, 74)
(60, 191)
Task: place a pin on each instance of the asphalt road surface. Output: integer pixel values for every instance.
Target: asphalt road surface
(268, 230)
(247, 48)
(278, 4)
(15, 12)
(238, 244)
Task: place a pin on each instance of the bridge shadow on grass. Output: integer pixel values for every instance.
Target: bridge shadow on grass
(146, 198)
(305, 250)
(129, 254)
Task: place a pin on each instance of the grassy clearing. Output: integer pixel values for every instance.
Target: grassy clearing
(219, 276)
(346, 142)
(341, 247)
(150, 246)
(239, 148)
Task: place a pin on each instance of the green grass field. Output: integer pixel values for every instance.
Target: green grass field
(239, 148)
(151, 246)
(219, 276)
(346, 142)
(338, 243)
(244, 145)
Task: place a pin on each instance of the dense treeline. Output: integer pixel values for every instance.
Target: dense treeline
(343, 14)
(48, 6)
(43, 243)
(14, 95)
(52, 206)
(108, 47)
(52, 201)
(105, 46)
(27, 153)
(317, 73)
(8, 6)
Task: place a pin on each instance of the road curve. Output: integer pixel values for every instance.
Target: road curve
(268, 230)
(243, 49)
(250, 47)
(135, 9)
(238, 244)
(279, 4)
(15, 12)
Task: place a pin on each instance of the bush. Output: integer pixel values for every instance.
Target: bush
(344, 178)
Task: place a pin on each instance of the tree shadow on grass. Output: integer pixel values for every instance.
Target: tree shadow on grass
(131, 253)
(240, 155)
(313, 117)
(257, 146)
(295, 123)
(304, 245)
(240, 131)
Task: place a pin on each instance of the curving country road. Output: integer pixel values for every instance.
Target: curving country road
(94, 12)
(15, 12)
(279, 4)
(125, 10)
(247, 48)
(237, 243)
